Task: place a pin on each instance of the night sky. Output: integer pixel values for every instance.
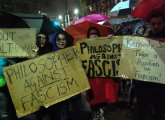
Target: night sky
(58, 6)
(51, 7)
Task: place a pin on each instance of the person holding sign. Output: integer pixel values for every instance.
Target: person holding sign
(60, 111)
(100, 92)
(43, 47)
(43, 44)
(151, 96)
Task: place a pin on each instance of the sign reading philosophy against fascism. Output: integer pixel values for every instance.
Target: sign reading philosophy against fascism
(100, 56)
(45, 80)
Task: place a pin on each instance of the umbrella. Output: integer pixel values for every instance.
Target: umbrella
(104, 30)
(8, 20)
(122, 12)
(144, 9)
(95, 18)
(123, 8)
(41, 22)
(120, 21)
(120, 9)
(121, 5)
(80, 30)
(48, 26)
(76, 32)
(21, 20)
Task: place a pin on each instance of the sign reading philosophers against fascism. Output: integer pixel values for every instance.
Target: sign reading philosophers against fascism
(17, 42)
(45, 80)
(100, 56)
(143, 59)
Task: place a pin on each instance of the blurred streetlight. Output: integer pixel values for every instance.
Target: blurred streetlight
(60, 17)
(76, 11)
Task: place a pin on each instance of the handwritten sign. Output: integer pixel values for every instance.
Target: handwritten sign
(17, 42)
(45, 80)
(143, 59)
(100, 56)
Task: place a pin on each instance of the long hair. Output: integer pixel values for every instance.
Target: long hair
(93, 28)
(47, 47)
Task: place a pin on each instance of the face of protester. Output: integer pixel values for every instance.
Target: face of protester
(93, 34)
(42, 38)
(157, 24)
(61, 41)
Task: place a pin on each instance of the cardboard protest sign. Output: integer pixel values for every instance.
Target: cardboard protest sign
(17, 42)
(100, 56)
(45, 80)
(143, 59)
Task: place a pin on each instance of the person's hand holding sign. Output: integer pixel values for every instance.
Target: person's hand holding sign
(35, 49)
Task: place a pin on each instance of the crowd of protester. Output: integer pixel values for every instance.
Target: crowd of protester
(150, 97)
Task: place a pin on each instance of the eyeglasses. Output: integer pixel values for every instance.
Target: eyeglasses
(60, 39)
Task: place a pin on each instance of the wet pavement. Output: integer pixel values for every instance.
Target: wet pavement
(119, 111)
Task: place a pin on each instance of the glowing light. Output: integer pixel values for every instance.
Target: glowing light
(60, 17)
(76, 11)
(56, 23)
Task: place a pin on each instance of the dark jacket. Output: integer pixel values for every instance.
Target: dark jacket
(161, 34)
(47, 47)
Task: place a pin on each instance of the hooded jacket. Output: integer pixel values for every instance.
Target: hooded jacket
(68, 40)
(47, 47)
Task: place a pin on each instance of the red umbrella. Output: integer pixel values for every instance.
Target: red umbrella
(76, 33)
(79, 31)
(104, 30)
(145, 8)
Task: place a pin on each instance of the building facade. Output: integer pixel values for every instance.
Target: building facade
(100, 6)
(103, 6)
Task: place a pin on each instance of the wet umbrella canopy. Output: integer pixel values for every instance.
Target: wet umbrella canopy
(8, 20)
(94, 18)
(40, 22)
(144, 9)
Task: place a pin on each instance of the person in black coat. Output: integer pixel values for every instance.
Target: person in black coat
(151, 96)
(43, 44)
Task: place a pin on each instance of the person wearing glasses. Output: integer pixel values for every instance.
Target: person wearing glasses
(59, 111)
